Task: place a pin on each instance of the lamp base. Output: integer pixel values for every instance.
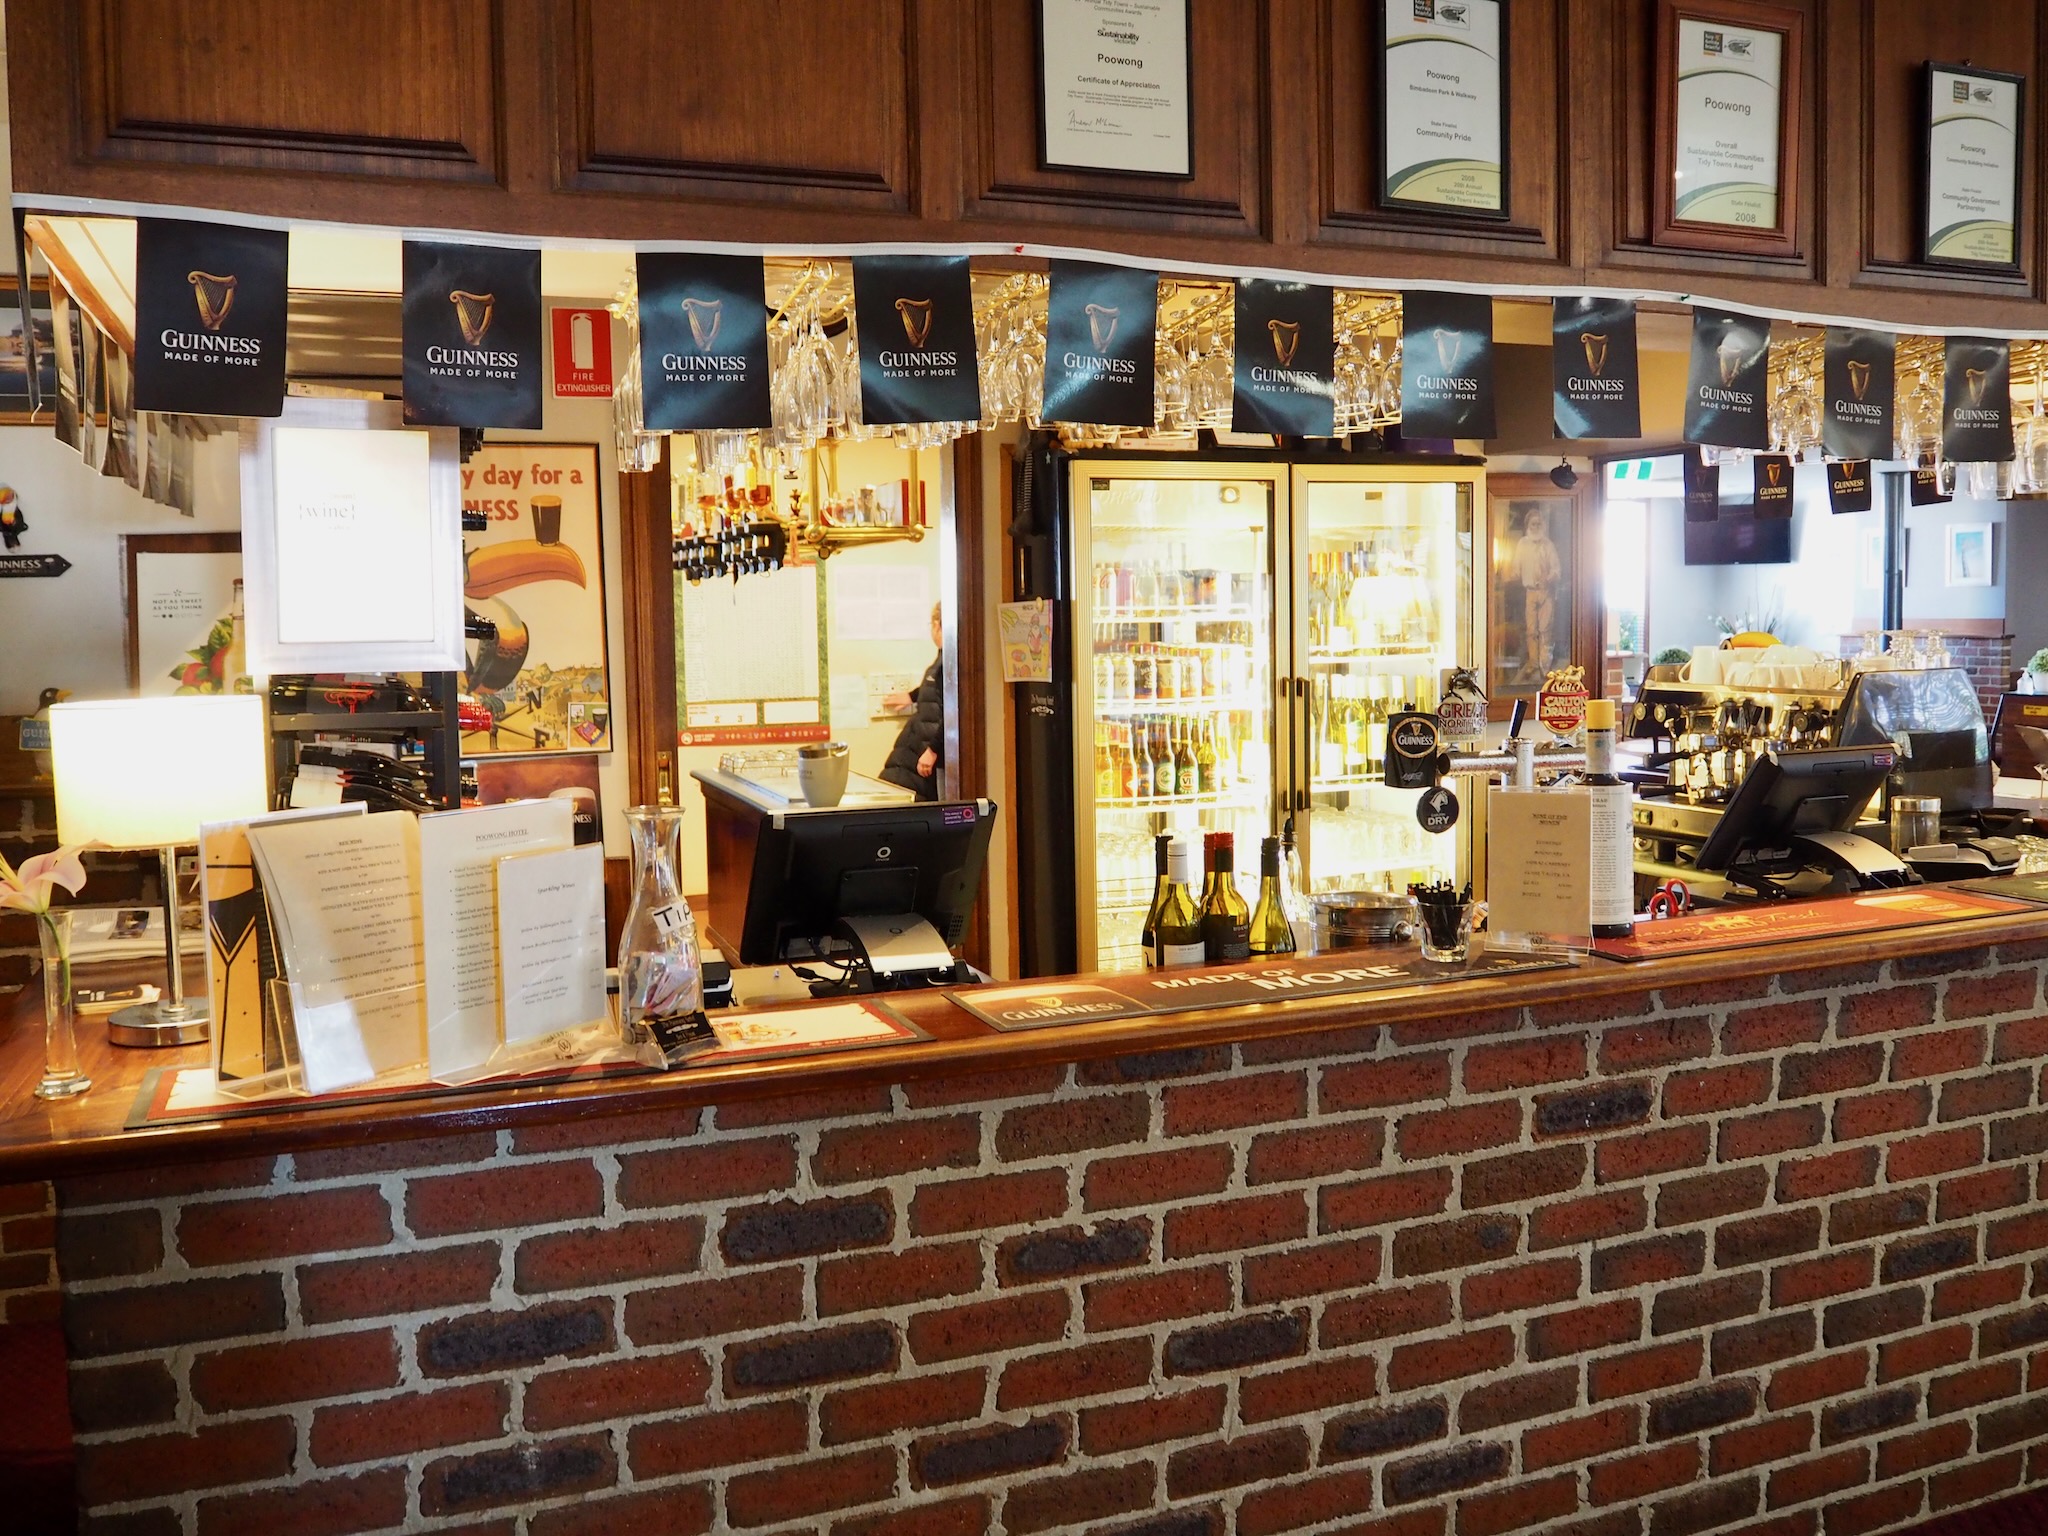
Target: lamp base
(151, 1024)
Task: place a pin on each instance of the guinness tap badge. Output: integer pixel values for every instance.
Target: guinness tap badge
(215, 296)
(704, 316)
(1593, 373)
(473, 314)
(1286, 338)
(916, 315)
(1596, 352)
(1101, 326)
(1859, 378)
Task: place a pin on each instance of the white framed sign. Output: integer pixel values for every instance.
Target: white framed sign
(1443, 106)
(1972, 193)
(1115, 87)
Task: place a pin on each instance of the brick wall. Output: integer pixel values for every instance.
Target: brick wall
(1662, 1264)
(28, 1239)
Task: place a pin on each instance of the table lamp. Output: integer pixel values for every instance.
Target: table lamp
(146, 773)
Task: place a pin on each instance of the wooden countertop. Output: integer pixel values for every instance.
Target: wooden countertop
(39, 1140)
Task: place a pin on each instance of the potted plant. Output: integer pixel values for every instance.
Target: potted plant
(2034, 679)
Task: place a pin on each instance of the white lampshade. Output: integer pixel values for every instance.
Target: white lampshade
(146, 773)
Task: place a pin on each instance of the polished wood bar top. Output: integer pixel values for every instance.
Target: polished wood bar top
(39, 1140)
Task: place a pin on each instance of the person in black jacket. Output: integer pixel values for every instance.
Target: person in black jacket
(920, 746)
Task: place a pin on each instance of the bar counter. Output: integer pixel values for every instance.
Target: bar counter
(1671, 1246)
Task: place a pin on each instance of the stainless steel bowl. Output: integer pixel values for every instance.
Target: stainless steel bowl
(1361, 919)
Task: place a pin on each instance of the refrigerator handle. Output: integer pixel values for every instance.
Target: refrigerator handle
(1283, 709)
(1305, 759)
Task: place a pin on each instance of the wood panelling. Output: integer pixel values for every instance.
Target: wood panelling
(1348, 144)
(1227, 49)
(747, 100)
(388, 87)
(1899, 38)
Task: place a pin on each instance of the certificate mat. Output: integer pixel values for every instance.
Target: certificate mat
(1114, 86)
(1973, 159)
(1725, 145)
(1442, 105)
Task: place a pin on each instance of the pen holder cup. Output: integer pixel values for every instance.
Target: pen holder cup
(1446, 928)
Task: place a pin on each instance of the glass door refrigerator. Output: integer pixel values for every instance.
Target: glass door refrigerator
(1229, 639)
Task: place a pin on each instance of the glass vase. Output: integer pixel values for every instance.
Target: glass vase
(62, 1078)
(661, 975)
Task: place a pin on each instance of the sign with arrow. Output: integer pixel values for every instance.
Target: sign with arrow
(33, 565)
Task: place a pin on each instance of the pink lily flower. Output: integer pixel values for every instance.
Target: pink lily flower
(28, 888)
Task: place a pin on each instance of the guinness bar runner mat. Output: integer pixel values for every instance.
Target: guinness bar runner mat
(1100, 322)
(1976, 400)
(917, 359)
(1727, 380)
(1051, 1002)
(1286, 363)
(1849, 486)
(703, 341)
(1593, 374)
(209, 318)
(1446, 364)
(471, 336)
(1856, 383)
(1781, 922)
(2030, 888)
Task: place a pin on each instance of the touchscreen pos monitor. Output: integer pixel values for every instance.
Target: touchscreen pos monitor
(1796, 810)
(884, 891)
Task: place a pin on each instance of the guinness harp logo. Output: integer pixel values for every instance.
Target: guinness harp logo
(1859, 377)
(1450, 345)
(1772, 469)
(1286, 336)
(473, 314)
(1731, 359)
(1102, 321)
(215, 296)
(916, 315)
(1976, 379)
(704, 316)
(1596, 352)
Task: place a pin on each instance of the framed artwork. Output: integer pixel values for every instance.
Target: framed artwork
(533, 600)
(1728, 79)
(1543, 605)
(14, 350)
(1443, 69)
(1970, 192)
(1116, 87)
(1972, 556)
(186, 633)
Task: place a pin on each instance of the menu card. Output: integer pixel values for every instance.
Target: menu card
(551, 941)
(1539, 862)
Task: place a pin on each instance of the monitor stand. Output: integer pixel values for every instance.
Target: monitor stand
(890, 954)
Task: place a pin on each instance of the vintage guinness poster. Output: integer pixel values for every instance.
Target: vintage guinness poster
(1976, 400)
(917, 359)
(1849, 485)
(1286, 358)
(1856, 380)
(1100, 324)
(1772, 479)
(1728, 380)
(1974, 153)
(1446, 364)
(1726, 122)
(1593, 376)
(703, 341)
(1924, 490)
(209, 318)
(1702, 490)
(1115, 86)
(471, 336)
(1442, 144)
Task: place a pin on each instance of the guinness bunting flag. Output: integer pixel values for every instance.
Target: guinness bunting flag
(1925, 490)
(1593, 368)
(1773, 482)
(1702, 490)
(209, 318)
(64, 337)
(1285, 368)
(1726, 384)
(1100, 322)
(703, 342)
(1446, 364)
(471, 336)
(1849, 485)
(1976, 400)
(917, 359)
(1856, 380)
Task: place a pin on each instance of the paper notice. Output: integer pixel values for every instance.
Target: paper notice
(1025, 631)
(1539, 855)
(551, 940)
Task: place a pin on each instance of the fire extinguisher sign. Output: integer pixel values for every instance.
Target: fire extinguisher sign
(582, 353)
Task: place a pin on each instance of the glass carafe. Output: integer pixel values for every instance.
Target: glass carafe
(660, 972)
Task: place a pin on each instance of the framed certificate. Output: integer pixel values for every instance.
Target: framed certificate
(1115, 87)
(1728, 79)
(1443, 106)
(1974, 118)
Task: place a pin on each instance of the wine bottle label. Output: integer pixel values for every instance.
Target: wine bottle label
(1612, 878)
(1225, 939)
(1182, 954)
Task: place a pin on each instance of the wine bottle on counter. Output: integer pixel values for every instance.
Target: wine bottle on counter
(1271, 933)
(1613, 873)
(1226, 920)
(1177, 935)
(1147, 936)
